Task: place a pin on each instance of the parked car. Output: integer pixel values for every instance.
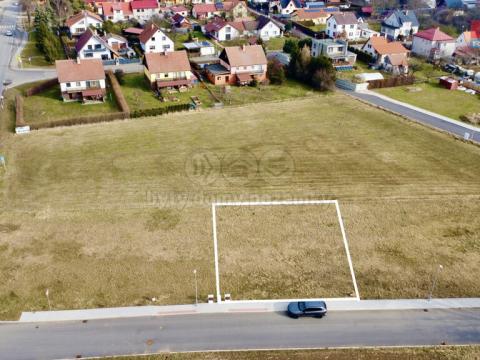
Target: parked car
(450, 68)
(307, 308)
(7, 82)
(9, 33)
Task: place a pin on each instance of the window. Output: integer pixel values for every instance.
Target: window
(164, 38)
(153, 38)
(78, 83)
(166, 75)
(98, 46)
(68, 84)
(89, 47)
(334, 26)
(351, 26)
(152, 47)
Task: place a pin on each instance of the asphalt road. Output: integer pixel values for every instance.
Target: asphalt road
(8, 20)
(420, 116)
(237, 331)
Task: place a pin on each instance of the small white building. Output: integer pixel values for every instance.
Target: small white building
(433, 44)
(344, 25)
(79, 23)
(144, 10)
(154, 40)
(267, 29)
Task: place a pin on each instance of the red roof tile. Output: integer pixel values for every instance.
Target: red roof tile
(433, 34)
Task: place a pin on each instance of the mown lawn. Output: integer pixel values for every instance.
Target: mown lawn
(49, 106)
(275, 43)
(419, 353)
(139, 95)
(433, 97)
(114, 214)
(179, 39)
(31, 56)
(242, 95)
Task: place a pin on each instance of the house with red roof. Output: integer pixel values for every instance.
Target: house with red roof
(116, 11)
(154, 40)
(204, 11)
(144, 10)
(433, 44)
(389, 55)
(180, 10)
(222, 30)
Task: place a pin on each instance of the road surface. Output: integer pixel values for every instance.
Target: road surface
(8, 20)
(419, 116)
(230, 331)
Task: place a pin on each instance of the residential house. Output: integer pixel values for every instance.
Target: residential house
(144, 10)
(204, 11)
(79, 23)
(317, 16)
(399, 24)
(234, 9)
(119, 46)
(336, 50)
(116, 11)
(168, 70)
(343, 25)
(180, 23)
(391, 56)
(468, 39)
(222, 30)
(433, 44)
(194, 2)
(154, 40)
(263, 28)
(91, 45)
(239, 65)
(180, 10)
(366, 32)
(288, 7)
(81, 79)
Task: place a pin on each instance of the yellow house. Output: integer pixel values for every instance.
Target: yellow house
(168, 70)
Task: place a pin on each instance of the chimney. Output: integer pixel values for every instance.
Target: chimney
(78, 60)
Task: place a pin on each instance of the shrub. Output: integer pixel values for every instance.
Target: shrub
(19, 120)
(34, 90)
(275, 72)
(81, 120)
(160, 111)
(120, 75)
(117, 90)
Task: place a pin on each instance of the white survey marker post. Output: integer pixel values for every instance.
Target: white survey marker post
(276, 203)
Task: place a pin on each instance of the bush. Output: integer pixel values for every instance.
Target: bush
(275, 72)
(253, 83)
(117, 90)
(290, 46)
(159, 111)
(120, 75)
(34, 90)
(81, 120)
(19, 120)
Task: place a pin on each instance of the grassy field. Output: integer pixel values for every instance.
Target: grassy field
(282, 252)
(430, 353)
(49, 106)
(139, 95)
(275, 43)
(247, 95)
(110, 214)
(31, 56)
(432, 97)
(179, 39)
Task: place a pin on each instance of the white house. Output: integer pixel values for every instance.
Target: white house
(81, 79)
(389, 55)
(79, 23)
(144, 10)
(343, 25)
(116, 11)
(267, 29)
(222, 30)
(401, 23)
(433, 44)
(287, 7)
(193, 2)
(154, 40)
(92, 46)
(119, 45)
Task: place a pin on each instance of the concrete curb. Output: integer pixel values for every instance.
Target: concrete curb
(244, 307)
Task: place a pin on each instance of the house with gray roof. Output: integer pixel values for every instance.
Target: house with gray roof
(399, 23)
(343, 25)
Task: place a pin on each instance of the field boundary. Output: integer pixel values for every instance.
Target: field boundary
(276, 203)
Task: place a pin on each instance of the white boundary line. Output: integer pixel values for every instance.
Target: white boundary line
(267, 203)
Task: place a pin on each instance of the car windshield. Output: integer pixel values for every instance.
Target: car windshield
(301, 306)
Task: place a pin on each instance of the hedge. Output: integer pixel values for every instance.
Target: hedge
(117, 90)
(81, 120)
(362, 56)
(392, 82)
(34, 90)
(19, 119)
(159, 111)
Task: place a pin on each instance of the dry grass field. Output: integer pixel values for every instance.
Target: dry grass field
(115, 214)
(427, 353)
(282, 251)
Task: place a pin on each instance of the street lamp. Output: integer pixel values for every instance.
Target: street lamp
(434, 282)
(196, 287)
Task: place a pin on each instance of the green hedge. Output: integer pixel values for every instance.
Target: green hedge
(160, 111)
(34, 90)
(117, 90)
(19, 119)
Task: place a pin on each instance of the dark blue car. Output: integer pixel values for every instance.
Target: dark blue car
(307, 308)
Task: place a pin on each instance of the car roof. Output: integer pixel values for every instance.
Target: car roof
(315, 304)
